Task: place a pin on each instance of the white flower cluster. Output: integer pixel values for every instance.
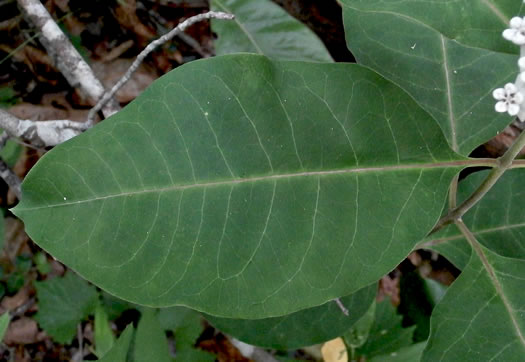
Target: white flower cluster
(511, 98)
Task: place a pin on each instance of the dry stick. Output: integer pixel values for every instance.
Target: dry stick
(40, 133)
(342, 307)
(504, 163)
(64, 55)
(143, 54)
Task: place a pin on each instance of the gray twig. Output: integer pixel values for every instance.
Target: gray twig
(342, 307)
(151, 46)
(40, 133)
(10, 178)
(64, 55)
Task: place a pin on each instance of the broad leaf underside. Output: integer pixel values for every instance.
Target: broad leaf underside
(482, 315)
(489, 291)
(244, 187)
(448, 55)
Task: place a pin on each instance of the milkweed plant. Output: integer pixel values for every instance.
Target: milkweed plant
(270, 188)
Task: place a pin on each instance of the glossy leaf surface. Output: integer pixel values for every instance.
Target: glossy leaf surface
(244, 187)
(304, 328)
(262, 27)
(449, 55)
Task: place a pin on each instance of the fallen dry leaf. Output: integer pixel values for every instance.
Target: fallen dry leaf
(17, 300)
(22, 331)
(334, 351)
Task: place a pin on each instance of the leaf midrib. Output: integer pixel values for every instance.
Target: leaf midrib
(360, 170)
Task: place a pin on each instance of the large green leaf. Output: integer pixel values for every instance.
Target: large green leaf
(497, 221)
(304, 328)
(489, 291)
(244, 187)
(262, 27)
(448, 54)
(481, 317)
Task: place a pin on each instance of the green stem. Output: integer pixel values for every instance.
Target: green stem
(503, 163)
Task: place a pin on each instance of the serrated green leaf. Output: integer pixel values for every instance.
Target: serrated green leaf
(448, 55)
(120, 349)
(386, 335)
(299, 329)
(151, 344)
(262, 27)
(481, 316)
(244, 187)
(497, 221)
(62, 304)
(104, 338)
(4, 323)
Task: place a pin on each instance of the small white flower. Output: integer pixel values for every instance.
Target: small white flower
(521, 62)
(516, 33)
(509, 99)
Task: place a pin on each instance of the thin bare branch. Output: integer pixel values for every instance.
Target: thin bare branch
(64, 55)
(151, 46)
(40, 133)
(10, 178)
(341, 306)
